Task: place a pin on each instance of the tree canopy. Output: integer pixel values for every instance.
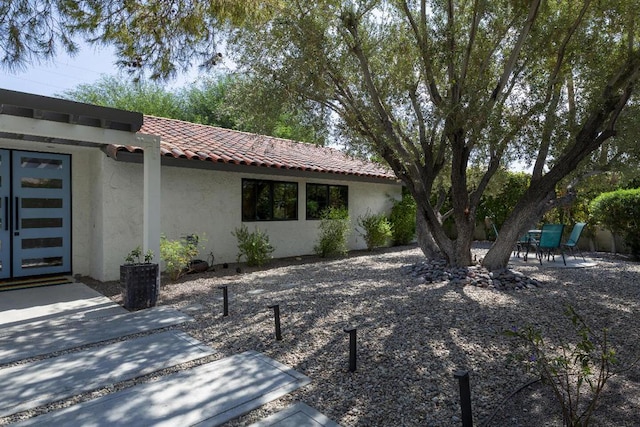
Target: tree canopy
(436, 87)
(220, 100)
(163, 36)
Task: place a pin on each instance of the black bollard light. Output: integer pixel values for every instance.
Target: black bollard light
(225, 300)
(276, 315)
(465, 397)
(352, 348)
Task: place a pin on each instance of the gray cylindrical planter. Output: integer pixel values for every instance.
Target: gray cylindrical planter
(141, 285)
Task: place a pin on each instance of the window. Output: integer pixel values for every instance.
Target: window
(321, 196)
(269, 200)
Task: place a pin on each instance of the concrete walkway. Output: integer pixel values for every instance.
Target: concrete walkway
(40, 321)
(28, 340)
(209, 395)
(296, 415)
(37, 383)
(54, 304)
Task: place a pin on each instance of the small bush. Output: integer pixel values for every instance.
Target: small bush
(619, 211)
(375, 229)
(334, 232)
(403, 220)
(177, 254)
(255, 247)
(576, 372)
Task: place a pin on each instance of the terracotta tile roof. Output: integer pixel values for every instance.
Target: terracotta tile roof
(185, 140)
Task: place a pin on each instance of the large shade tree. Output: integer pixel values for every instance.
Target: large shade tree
(433, 87)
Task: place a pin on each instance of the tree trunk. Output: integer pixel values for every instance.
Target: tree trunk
(424, 237)
(523, 218)
(437, 244)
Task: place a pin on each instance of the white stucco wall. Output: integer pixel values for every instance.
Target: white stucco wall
(208, 203)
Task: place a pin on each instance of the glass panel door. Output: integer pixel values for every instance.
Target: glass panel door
(5, 209)
(41, 212)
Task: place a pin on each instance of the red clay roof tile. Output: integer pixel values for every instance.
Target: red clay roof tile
(181, 139)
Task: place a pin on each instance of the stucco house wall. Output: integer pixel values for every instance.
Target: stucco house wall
(208, 203)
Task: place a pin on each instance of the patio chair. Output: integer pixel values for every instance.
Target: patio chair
(572, 242)
(550, 240)
(522, 245)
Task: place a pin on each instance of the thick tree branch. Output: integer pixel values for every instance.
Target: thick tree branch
(420, 34)
(534, 7)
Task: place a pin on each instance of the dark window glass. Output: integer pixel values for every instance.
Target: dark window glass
(42, 242)
(32, 203)
(322, 196)
(41, 222)
(269, 200)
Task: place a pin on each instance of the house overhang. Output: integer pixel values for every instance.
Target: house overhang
(49, 120)
(136, 157)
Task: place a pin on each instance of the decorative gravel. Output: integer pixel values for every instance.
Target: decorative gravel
(417, 323)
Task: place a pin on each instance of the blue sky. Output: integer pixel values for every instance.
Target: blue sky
(66, 72)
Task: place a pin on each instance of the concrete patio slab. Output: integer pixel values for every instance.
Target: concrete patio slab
(207, 395)
(26, 340)
(297, 415)
(70, 301)
(37, 383)
(571, 262)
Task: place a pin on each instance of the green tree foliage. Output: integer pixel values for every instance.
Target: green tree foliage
(619, 211)
(144, 97)
(502, 195)
(224, 100)
(158, 35)
(440, 88)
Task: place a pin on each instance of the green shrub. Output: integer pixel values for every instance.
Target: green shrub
(403, 220)
(375, 229)
(619, 211)
(576, 372)
(255, 247)
(334, 231)
(177, 254)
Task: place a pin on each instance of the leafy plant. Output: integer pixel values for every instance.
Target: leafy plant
(619, 211)
(135, 256)
(375, 229)
(177, 254)
(255, 247)
(570, 368)
(334, 231)
(403, 220)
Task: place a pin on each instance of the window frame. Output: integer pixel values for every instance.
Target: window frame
(271, 184)
(328, 197)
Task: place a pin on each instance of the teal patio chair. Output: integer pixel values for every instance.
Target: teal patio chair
(550, 240)
(522, 245)
(572, 242)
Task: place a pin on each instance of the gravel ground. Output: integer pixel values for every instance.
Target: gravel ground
(412, 335)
